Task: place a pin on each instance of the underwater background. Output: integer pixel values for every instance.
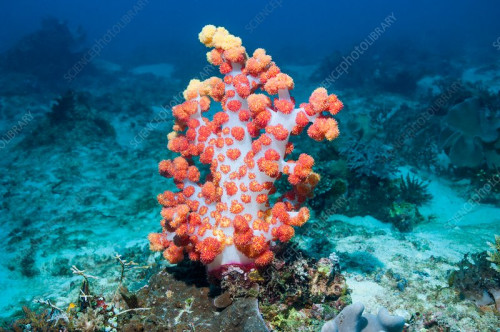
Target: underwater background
(409, 198)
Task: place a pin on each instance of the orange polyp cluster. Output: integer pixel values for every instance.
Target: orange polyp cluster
(228, 218)
(208, 249)
(174, 254)
(279, 82)
(258, 63)
(323, 128)
(284, 106)
(242, 85)
(235, 54)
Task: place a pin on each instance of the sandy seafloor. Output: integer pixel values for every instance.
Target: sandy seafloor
(423, 257)
(64, 206)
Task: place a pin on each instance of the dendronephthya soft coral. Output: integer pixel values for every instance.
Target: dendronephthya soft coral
(228, 219)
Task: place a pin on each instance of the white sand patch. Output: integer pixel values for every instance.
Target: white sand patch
(428, 84)
(489, 77)
(367, 222)
(367, 292)
(447, 234)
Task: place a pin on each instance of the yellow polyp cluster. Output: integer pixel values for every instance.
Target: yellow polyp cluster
(219, 37)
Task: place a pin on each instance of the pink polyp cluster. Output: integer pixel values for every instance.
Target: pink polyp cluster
(228, 218)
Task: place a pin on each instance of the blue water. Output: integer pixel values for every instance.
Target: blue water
(85, 106)
(326, 27)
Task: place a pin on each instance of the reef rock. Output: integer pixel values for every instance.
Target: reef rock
(241, 316)
(474, 138)
(185, 305)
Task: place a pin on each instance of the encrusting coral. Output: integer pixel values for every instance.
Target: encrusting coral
(228, 219)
